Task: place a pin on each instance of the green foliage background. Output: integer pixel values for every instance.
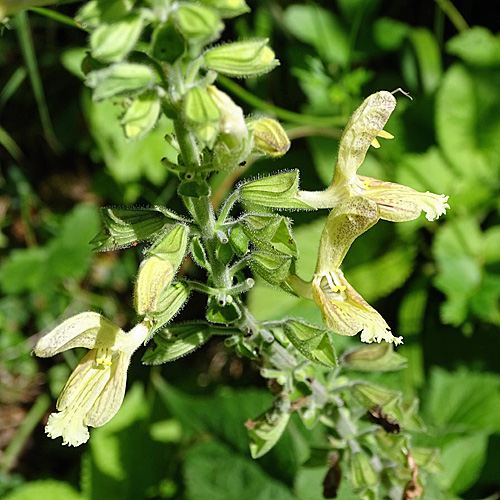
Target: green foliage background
(181, 427)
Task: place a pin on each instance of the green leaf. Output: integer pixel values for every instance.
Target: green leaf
(464, 400)
(214, 472)
(111, 469)
(457, 249)
(428, 58)
(129, 161)
(476, 46)
(48, 489)
(456, 123)
(389, 33)
(177, 341)
(321, 29)
(68, 255)
(463, 460)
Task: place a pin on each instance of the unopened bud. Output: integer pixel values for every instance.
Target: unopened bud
(269, 137)
(112, 42)
(362, 471)
(242, 59)
(154, 276)
(228, 8)
(141, 116)
(198, 24)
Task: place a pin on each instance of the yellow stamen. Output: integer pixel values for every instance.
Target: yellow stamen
(375, 143)
(103, 357)
(385, 135)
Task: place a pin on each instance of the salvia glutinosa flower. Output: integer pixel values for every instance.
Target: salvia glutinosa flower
(94, 391)
(343, 310)
(396, 203)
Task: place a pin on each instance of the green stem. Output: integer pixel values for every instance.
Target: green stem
(228, 204)
(203, 214)
(187, 145)
(283, 114)
(453, 15)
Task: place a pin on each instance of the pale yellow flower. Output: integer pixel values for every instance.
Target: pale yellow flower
(343, 310)
(396, 203)
(94, 391)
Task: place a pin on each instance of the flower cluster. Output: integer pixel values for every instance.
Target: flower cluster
(358, 202)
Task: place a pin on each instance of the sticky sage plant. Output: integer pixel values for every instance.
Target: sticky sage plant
(158, 58)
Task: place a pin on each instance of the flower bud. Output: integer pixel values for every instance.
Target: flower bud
(269, 137)
(242, 59)
(228, 8)
(112, 42)
(200, 108)
(198, 24)
(154, 276)
(203, 114)
(171, 247)
(362, 472)
(141, 116)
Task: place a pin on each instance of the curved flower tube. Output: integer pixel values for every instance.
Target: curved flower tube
(397, 203)
(94, 391)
